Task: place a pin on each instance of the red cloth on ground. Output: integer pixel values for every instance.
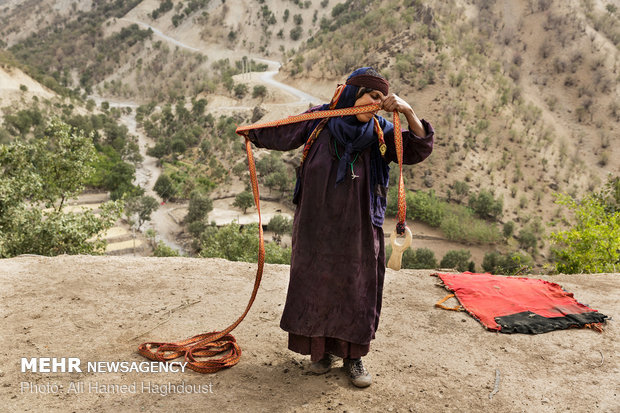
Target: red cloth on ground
(515, 304)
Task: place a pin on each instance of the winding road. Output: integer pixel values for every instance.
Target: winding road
(163, 220)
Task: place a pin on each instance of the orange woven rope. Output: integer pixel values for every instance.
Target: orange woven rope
(332, 113)
(196, 348)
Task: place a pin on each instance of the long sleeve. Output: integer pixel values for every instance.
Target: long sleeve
(415, 148)
(282, 138)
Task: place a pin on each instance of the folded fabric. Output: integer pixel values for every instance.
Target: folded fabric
(519, 305)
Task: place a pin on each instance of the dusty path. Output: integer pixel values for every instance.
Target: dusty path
(424, 359)
(166, 219)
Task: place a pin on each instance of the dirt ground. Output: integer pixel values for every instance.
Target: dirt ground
(424, 359)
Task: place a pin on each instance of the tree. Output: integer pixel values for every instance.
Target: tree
(280, 225)
(244, 200)
(164, 187)
(259, 91)
(199, 206)
(142, 206)
(592, 243)
(508, 229)
(458, 259)
(37, 179)
(421, 258)
(236, 243)
(485, 205)
(241, 89)
(461, 190)
(63, 160)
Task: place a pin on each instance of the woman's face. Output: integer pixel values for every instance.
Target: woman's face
(373, 97)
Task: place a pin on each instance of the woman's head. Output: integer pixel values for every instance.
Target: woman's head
(365, 86)
(372, 88)
(367, 77)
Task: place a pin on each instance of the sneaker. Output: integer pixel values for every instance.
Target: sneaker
(322, 366)
(358, 375)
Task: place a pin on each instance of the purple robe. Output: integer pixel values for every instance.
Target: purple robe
(338, 256)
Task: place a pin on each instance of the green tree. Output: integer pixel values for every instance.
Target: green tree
(420, 258)
(236, 243)
(241, 89)
(508, 229)
(244, 200)
(458, 259)
(141, 206)
(485, 205)
(37, 179)
(63, 159)
(259, 91)
(592, 243)
(200, 204)
(280, 225)
(164, 187)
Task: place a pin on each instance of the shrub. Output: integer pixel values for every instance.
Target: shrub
(164, 187)
(296, 32)
(259, 91)
(280, 225)
(241, 89)
(236, 243)
(244, 200)
(592, 243)
(485, 205)
(162, 250)
(508, 229)
(199, 206)
(458, 259)
(426, 207)
(509, 264)
(421, 258)
(527, 240)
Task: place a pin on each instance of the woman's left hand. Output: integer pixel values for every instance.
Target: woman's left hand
(394, 103)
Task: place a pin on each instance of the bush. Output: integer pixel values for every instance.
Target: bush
(280, 225)
(199, 206)
(508, 229)
(509, 264)
(241, 89)
(426, 207)
(485, 205)
(162, 250)
(421, 258)
(236, 243)
(259, 91)
(527, 240)
(296, 32)
(592, 243)
(164, 187)
(458, 259)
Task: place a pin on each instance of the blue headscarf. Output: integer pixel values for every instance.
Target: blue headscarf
(348, 131)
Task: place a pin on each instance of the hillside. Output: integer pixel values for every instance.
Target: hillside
(424, 359)
(524, 95)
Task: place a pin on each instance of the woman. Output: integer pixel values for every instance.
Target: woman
(338, 259)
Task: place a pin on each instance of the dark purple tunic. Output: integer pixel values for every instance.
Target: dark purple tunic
(338, 259)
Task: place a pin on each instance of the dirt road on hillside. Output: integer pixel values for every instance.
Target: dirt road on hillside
(99, 309)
